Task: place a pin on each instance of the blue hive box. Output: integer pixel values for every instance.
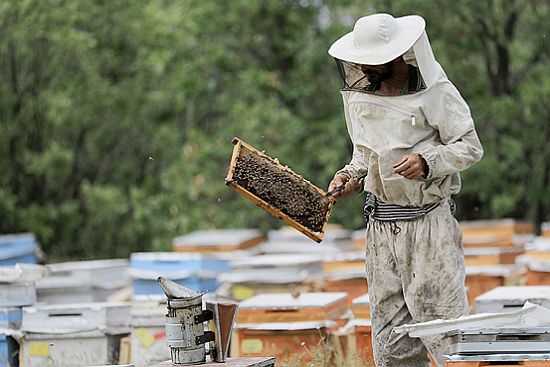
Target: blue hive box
(10, 318)
(17, 248)
(192, 270)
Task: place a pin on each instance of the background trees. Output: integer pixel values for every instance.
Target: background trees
(116, 116)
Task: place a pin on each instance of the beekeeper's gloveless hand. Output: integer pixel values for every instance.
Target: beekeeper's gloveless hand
(350, 185)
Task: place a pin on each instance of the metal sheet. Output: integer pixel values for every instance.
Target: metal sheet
(500, 347)
(499, 357)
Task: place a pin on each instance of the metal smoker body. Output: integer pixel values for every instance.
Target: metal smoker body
(185, 334)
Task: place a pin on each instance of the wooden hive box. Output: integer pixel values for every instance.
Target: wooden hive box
(241, 150)
(220, 240)
(361, 307)
(344, 261)
(273, 273)
(493, 233)
(354, 283)
(545, 229)
(481, 279)
(491, 255)
(354, 342)
(538, 271)
(539, 249)
(284, 325)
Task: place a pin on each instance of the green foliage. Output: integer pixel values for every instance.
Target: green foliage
(116, 117)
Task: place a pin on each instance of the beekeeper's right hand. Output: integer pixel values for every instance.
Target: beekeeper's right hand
(350, 185)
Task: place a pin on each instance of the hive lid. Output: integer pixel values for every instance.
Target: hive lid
(277, 260)
(88, 265)
(538, 244)
(480, 251)
(361, 300)
(490, 270)
(22, 273)
(286, 326)
(165, 256)
(516, 294)
(217, 237)
(531, 315)
(288, 301)
(13, 245)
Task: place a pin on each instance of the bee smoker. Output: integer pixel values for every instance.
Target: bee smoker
(186, 336)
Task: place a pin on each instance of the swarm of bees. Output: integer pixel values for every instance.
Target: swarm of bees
(282, 189)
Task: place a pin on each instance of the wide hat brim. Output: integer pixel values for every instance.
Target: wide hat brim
(411, 28)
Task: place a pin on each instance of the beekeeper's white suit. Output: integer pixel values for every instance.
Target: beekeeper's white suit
(415, 268)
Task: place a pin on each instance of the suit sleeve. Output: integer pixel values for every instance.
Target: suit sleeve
(447, 112)
(359, 160)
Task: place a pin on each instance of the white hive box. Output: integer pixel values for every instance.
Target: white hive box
(273, 273)
(148, 333)
(76, 317)
(73, 334)
(278, 268)
(539, 248)
(71, 349)
(284, 240)
(10, 319)
(17, 284)
(221, 240)
(83, 281)
(511, 298)
(17, 294)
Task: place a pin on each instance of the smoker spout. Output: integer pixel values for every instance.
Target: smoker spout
(174, 290)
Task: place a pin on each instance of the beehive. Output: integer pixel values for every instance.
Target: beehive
(354, 283)
(481, 279)
(493, 233)
(220, 240)
(279, 190)
(283, 324)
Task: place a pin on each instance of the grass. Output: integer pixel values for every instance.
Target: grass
(329, 352)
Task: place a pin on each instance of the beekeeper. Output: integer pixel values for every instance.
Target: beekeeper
(412, 133)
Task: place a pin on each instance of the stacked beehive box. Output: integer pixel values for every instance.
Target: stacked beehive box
(535, 264)
(73, 334)
(284, 325)
(273, 273)
(148, 340)
(218, 241)
(199, 258)
(17, 289)
(83, 281)
(545, 229)
(358, 332)
(490, 250)
(511, 345)
(17, 249)
(286, 240)
(193, 270)
(512, 298)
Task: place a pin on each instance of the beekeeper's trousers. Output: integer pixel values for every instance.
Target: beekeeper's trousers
(415, 273)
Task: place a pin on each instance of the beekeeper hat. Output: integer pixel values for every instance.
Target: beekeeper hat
(377, 39)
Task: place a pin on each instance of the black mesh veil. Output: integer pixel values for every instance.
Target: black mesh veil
(352, 76)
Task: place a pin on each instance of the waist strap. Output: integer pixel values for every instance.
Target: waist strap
(379, 210)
